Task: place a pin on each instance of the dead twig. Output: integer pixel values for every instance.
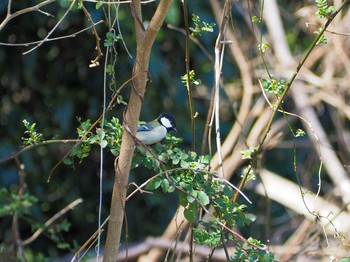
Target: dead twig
(49, 222)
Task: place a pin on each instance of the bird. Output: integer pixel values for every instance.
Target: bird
(156, 130)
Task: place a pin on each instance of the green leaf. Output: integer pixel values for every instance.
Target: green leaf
(189, 215)
(165, 185)
(247, 154)
(300, 133)
(255, 19)
(63, 245)
(98, 5)
(175, 161)
(183, 200)
(203, 198)
(67, 161)
(163, 157)
(184, 164)
(190, 199)
(154, 184)
(171, 189)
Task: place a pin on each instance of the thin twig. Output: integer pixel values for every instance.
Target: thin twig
(10, 16)
(53, 29)
(110, 106)
(51, 39)
(94, 62)
(188, 69)
(219, 52)
(46, 142)
(49, 222)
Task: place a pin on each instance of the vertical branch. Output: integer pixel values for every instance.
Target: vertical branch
(188, 78)
(144, 43)
(18, 245)
(219, 51)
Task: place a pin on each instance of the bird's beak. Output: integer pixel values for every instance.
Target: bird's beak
(174, 128)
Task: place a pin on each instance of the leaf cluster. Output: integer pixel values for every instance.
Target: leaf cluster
(274, 86)
(12, 203)
(201, 26)
(34, 137)
(182, 170)
(192, 79)
(199, 188)
(110, 136)
(323, 10)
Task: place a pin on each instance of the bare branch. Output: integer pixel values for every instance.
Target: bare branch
(53, 29)
(10, 16)
(49, 222)
(52, 39)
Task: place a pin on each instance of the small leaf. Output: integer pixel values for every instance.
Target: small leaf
(189, 215)
(104, 143)
(184, 164)
(255, 19)
(67, 161)
(300, 133)
(171, 189)
(98, 5)
(154, 184)
(183, 200)
(163, 157)
(191, 196)
(184, 156)
(165, 185)
(203, 198)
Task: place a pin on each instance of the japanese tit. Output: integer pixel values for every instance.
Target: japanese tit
(154, 131)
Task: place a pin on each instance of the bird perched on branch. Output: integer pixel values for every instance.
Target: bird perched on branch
(156, 130)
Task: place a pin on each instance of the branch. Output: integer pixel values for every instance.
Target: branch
(303, 202)
(16, 154)
(334, 167)
(10, 16)
(49, 222)
(52, 39)
(144, 42)
(219, 53)
(53, 29)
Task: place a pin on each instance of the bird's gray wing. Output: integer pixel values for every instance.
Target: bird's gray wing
(144, 128)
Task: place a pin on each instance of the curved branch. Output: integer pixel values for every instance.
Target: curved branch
(10, 16)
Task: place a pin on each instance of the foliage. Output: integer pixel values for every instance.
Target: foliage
(54, 84)
(111, 39)
(201, 26)
(273, 86)
(249, 252)
(263, 47)
(199, 189)
(322, 39)
(110, 136)
(300, 133)
(323, 10)
(193, 80)
(22, 206)
(248, 154)
(11, 203)
(33, 136)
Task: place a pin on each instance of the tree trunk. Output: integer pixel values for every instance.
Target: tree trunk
(144, 41)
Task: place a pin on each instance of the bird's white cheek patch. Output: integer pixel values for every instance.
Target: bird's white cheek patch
(165, 122)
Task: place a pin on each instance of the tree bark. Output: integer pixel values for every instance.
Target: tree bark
(144, 43)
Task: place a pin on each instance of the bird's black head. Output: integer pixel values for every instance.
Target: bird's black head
(168, 121)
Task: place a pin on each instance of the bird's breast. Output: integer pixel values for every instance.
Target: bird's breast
(152, 136)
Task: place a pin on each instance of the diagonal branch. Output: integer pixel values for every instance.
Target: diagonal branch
(10, 16)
